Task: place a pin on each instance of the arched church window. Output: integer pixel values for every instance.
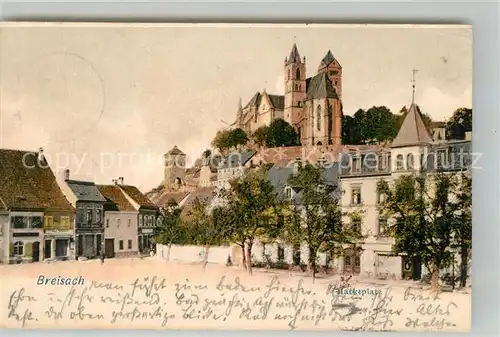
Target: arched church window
(288, 74)
(318, 117)
(409, 161)
(399, 162)
(298, 74)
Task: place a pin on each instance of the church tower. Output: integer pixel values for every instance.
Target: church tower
(333, 69)
(175, 169)
(295, 86)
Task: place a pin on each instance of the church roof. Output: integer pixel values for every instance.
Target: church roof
(320, 86)
(294, 55)
(255, 100)
(277, 101)
(329, 58)
(412, 130)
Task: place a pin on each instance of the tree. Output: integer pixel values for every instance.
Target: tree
(459, 124)
(280, 133)
(379, 125)
(170, 227)
(227, 139)
(209, 229)
(426, 209)
(260, 136)
(351, 131)
(251, 204)
(206, 154)
(317, 218)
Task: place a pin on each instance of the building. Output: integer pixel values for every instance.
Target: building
(233, 167)
(412, 149)
(312, 105)
(89, 204)
(120, 223)
(31, 202)
(147, 215)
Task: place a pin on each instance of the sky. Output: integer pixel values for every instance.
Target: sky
(108, 100)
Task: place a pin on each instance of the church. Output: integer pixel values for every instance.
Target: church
(313, 106)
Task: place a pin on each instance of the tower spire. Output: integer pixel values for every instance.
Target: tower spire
(414, 71)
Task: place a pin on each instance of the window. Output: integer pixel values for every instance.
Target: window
(18, 248)
(281, 253)
(400, 162)
(129, 244)
(19, 222)
(37, 222)
(441, 159)
(118, 222)
(356, 164)
(356, 196)
(121, 244)
(409, 161)
(382, 226)
(129, 222)
(297, 74)
(107, 222)
(48, 222)
(357, 261)
(288, 192)
(140, 220)
(65, 225)
(370, 162)
(318, 117)
(347, 261)
(380, 162)
(89, 216)
(98, 215)
(380, 197)
(288, 74)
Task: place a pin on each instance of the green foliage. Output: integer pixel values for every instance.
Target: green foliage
(431, 216)
(278, 133)
(170, 229)
(317, 219)
(208, 229)
(377, 124)
(227, 139)
(206, 154)
(459, 124)
(252, 210)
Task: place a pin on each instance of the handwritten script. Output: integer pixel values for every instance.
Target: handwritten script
(230, 302)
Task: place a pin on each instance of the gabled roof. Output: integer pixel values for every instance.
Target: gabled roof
(237, 159)
(176, 197)
(136, 195)
(26, 185)
(294, 56)
(329, 58)
(254, 101)
(412, 131)
(277, 101)
(175, 151)
(85, 191)
(320, 86)
(115, 198)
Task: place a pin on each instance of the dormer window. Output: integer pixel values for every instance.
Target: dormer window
(288, 192)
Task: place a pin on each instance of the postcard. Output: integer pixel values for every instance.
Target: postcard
(236, 176)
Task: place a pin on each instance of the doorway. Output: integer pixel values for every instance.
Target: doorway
(109, 248)
(352, 261)
(48, 249)
(36, 251)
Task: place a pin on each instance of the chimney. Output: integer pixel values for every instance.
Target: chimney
(114, 181)
(66, 174)
(120, 180)
(468, 135)
(40, 155)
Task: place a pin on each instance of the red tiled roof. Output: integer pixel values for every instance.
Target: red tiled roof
(25, 184)
(136, 195)
(114, 194)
